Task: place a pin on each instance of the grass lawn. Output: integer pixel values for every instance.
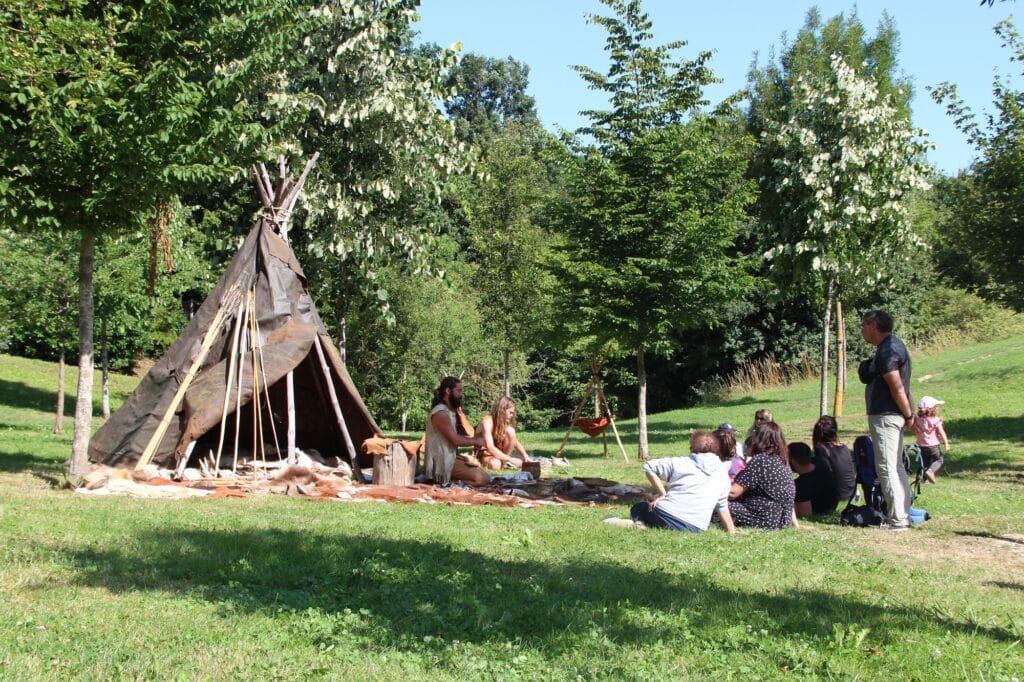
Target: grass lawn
(113, 588)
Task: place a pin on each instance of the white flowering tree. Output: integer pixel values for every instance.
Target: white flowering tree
(848, 160)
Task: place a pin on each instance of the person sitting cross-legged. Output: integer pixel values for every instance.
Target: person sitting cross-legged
(698, 485)
(762, 494)
(498, 432)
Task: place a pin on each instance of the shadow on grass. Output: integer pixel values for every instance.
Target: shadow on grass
(1006, 586)
(991, 536)
(17, 462)
(400, 591)
(22, 396)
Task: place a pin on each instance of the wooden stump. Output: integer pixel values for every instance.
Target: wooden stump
(394, 468)
(532, 468)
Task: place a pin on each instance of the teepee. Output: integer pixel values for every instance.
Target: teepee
(253, 375)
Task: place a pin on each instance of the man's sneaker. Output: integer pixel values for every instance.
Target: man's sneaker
(929, 475)
(619, 521)
(891, 527)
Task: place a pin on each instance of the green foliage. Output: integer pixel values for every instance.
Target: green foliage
(847, 162)
(654, 205)
(490, 94)
(508, 247)
(981, 243)
(386, 149)
(437, 332)
(38, 294)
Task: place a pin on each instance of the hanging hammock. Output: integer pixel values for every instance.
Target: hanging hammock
(592, 427)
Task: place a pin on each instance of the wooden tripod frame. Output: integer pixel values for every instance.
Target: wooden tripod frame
(594, 386)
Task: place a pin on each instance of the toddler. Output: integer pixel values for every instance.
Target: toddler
(928, 428)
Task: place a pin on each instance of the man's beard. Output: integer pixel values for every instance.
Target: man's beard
(454, 402)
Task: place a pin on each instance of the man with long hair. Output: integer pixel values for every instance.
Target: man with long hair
(443, 437)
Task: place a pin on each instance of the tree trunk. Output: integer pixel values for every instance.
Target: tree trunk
(83, 399)
(641, 374)
(405, 402)
(106, 369)
(58, 424)
(342, 337)
(823, 404)
(837, 410)
(508, 373)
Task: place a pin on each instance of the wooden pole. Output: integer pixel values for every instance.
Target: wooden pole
(266, 392)
(161, 429)
(575, 414)
(611, 418)
(238, 390)
(232, 358)
(837, 408)
(257, 416)
(334, 403)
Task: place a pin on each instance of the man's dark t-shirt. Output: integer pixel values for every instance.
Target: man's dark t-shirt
(891, 354)
(838, 461)
(817, 488)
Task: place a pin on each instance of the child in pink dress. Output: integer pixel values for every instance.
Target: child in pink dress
(929, 428)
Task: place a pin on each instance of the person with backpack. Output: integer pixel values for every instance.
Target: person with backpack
(886, 376)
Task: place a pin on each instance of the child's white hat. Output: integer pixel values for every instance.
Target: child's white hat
(929, 402)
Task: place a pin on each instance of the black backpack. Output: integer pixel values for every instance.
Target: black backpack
(873, 512)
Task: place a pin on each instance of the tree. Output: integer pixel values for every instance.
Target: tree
(387, 151)
(772, 100)
(509, 248)
(654, 202)
(981, 243)
(38, 301)
(490, 94)
(848, 161)
(108, 108)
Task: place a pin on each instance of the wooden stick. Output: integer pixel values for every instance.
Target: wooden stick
(576, 413)
(611, 418)
(266, 391)
(257, 422)
(334, 403)
(264, 199)
(180, 469)
(267, 183)
(293, 193)
(161, 429)
(282, 170)
(230, 380)
(289, 384)
(238, 391)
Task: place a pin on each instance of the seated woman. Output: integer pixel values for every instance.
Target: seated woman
(815, 489)
(834, 456)
(498, 430)
(762, 495)
(698, 484)
(731, 451)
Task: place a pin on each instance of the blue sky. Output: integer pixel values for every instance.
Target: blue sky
(940, 40)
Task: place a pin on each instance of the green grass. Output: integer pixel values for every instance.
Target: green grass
(257, 588)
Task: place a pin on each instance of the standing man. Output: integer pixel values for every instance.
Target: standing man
(887, 394)
(443, 438)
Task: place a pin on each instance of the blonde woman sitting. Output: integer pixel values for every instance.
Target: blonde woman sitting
(498, 429)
